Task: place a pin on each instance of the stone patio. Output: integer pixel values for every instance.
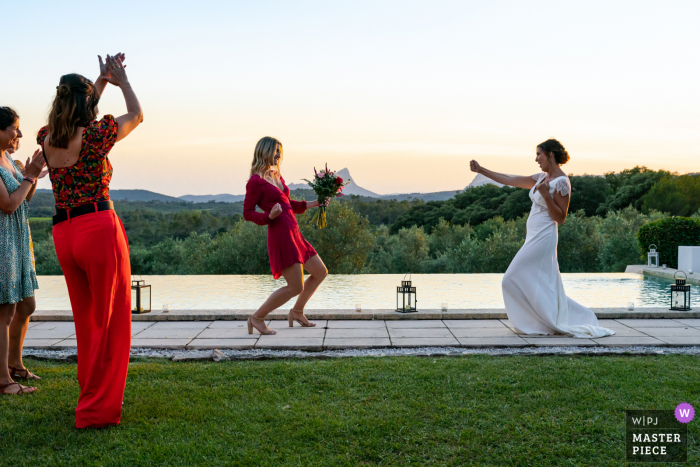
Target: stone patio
(370, 334)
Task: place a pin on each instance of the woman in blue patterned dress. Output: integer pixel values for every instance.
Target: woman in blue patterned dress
(17, 276)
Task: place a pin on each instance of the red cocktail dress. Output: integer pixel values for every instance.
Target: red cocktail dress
(285, 244)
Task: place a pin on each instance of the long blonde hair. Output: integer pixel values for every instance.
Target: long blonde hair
(264, 158)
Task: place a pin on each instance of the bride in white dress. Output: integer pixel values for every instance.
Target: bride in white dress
(532, 288)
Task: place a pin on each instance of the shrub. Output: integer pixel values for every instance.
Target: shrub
(46, 259)
(678, 195)
(668, 234)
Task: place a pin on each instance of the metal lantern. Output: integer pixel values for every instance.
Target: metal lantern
(406, 296)
(680, 294)
(140, 297)
(653, 257)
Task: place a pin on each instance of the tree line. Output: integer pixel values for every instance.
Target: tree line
(478, 231)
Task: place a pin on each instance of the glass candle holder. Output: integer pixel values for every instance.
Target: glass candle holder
(630, 306)
(664, 266)
(358, 307)
(166, 309)
(443, 307)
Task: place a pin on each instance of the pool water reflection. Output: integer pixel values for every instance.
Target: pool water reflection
(376, 291)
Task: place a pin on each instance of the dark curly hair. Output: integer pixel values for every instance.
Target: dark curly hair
(552, 146)
(7, 117)
(75, 105)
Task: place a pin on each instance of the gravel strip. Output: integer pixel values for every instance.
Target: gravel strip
(261, 354)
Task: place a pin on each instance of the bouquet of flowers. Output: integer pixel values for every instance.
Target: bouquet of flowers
(326, 184)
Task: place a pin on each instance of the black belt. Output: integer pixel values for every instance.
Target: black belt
(65, 214)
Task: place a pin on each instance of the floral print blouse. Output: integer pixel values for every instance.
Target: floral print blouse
(88, 180)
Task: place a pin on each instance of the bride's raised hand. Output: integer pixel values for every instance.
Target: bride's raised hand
(474, 166)
(543, 187)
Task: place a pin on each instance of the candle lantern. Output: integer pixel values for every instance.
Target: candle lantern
(140, 297)
(680, 293)
(406, 296)
(653, 257)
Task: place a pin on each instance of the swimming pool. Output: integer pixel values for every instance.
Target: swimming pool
(377, 291)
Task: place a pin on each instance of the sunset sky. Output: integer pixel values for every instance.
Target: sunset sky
(403, 93)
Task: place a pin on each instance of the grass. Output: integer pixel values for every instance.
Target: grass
(477, 410)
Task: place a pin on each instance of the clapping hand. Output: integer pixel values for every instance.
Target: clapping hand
(474, 166)
(43, 173)
(106, 71)
(35, 166)
(276, 211)
(114, 69)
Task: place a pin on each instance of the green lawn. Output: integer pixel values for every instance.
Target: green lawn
(475, 410)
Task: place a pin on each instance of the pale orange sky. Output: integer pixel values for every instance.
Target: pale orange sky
(403, 95)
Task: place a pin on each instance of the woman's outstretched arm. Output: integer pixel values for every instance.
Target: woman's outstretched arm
(134, 115)
(510, 180)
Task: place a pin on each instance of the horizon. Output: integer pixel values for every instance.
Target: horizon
(403, 95)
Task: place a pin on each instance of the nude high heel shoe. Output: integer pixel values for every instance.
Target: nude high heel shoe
(264, 332)
(291, 320)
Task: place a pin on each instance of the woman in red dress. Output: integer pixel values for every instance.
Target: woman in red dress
(289, 253)
(90, 241)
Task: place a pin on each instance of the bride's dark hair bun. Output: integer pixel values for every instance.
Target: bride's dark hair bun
(552, 146)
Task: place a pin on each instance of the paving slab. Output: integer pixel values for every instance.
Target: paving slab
(172, 344)
(181, 324)
(483, 332)
(560, 342)
(612, 324)
(66, 344)
(356, 333)
(693, 322)
(40, 343)
(229, 325)
(624, 331)
(419, 333)
(473, 323)
(138, 326)
(284, 324)
(301, 333)
(418, 324)
(356, 343)
(672, 332)
(356, 324)
(230, 333)
(491, 342)
(34, 323)
(232, 344)
(621, 341)
(50, 333)
(310, 344)
(425, 342)
(681, 341)
(172, 333)
(51, 325)
(651, 323)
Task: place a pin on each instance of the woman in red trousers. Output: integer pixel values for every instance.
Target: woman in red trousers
(289, 253)
(90, 241)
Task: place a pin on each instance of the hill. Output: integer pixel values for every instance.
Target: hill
(222, 198)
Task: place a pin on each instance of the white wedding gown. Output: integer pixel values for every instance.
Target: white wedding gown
(532, 288)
